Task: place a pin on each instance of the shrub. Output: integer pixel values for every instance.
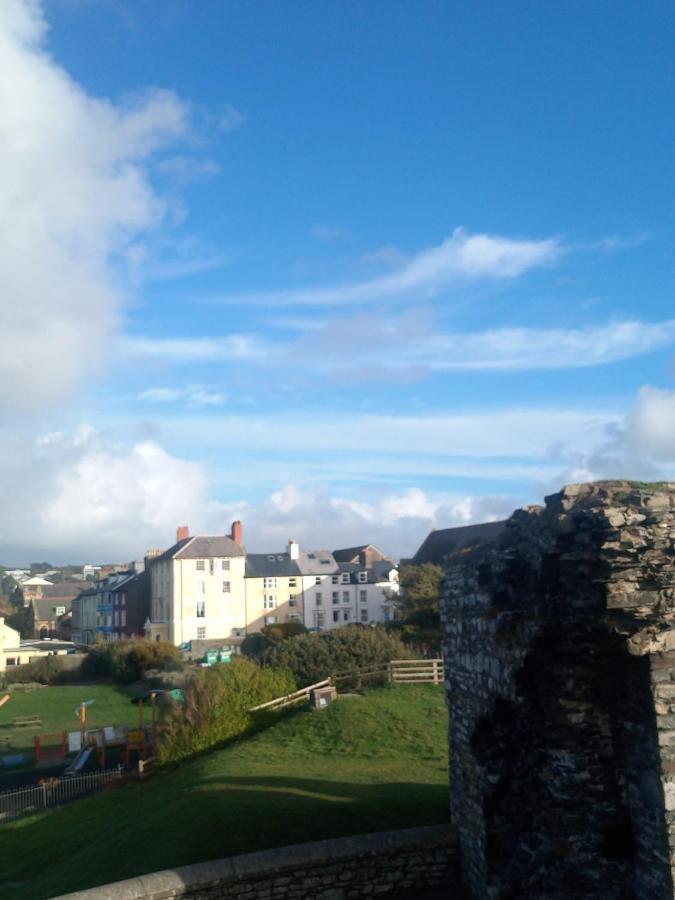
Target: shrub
(313, 657)
(216, 708)
(128, 661)
(44, 670)
(254, 645)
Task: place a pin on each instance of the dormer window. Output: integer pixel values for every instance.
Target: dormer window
(363, 576)
(345, 577)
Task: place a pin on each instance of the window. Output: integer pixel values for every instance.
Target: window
(226, 587)
(345, 596)
(336, 615)
(201, 634)
(336, 596)
(345, 615)
(270, 620)
(336, 579)
(269, 601)
(363, 596)
(225, 565)
(319, 619)
(123, 619)
(269, 583)
(293, 617)
(201, 609)
(345, 577)
(291, 600)
(59, 610)
(363, 576)
(200, 565)
(201, 587)
(364, 615)
(319, 600)
(317, 580)
(292, 582)
(117, 618)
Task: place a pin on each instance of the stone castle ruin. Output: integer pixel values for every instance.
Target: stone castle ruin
(559, 640)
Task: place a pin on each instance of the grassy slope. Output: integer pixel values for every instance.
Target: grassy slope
(56, 706)
(365, 764)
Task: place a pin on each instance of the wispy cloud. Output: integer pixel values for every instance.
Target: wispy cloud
(193, 395)
(460, 258)
(328, 234)
(409, 347)
(187, 350)
(231, 118)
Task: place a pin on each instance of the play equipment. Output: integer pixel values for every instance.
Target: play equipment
(80, 761)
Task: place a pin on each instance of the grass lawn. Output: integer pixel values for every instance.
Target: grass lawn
(56, 707)
(367, 763)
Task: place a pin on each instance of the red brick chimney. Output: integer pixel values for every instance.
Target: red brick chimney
(182, 532)
(237, 533)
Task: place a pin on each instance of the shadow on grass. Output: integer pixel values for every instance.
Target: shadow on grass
(215, 817)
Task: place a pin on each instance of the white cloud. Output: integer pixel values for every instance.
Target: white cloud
(74, 192)
(328, 234)
(650, 426)
(460, 258)
(396, 522)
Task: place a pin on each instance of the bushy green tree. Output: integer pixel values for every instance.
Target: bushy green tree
(216, 707)
(128, 661)
(420, 622)
(313, 657)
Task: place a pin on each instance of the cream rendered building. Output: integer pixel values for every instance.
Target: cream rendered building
(273, 588)
(197, 589)
(10, 642)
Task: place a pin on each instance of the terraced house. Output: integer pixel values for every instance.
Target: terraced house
(209, 588)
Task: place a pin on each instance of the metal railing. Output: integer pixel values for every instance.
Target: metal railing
(53, 792)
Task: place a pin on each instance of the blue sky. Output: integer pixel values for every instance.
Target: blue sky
(346, 270)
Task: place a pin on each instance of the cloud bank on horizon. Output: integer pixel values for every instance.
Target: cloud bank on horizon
(390, 391)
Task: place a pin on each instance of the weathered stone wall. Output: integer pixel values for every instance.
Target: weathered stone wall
(369, 865)
(560, 672)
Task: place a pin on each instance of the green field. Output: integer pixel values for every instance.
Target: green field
(56, 707)
(367, 763)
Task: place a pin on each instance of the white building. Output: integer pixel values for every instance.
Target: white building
(197, 589)
(355, 585)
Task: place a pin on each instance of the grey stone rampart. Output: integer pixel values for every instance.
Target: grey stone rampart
(368, 865)
(559, 641)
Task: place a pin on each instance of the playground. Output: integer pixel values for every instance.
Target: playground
(75, 725)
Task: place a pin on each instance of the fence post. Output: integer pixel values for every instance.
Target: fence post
(390, 672)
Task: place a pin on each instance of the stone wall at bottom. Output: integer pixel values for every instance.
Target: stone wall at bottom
(368, 865)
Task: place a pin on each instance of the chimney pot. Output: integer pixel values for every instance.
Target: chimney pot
(182, 532)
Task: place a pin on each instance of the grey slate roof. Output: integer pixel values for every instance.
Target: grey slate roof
(201, 547)
(445, 542)
(268, 565)
(351, 554)
(68, 590)
(44, 607)
(317, 562)
(379, 571)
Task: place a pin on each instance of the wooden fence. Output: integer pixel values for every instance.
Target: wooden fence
(301, 696)
(416, 671)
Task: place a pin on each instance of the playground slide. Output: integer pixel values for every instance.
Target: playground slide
(80, 761)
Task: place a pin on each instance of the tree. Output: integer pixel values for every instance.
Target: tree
(420, 587)
(420, 623)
